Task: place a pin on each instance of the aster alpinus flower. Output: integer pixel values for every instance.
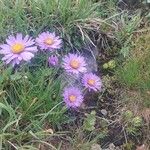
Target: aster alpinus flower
(73, 97)
(92, 82)
(74, 63)
(18, 49)
(48, 41)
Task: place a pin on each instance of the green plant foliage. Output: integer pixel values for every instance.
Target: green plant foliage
(35, 15)
(129, 73)
(89, 121)
(110, 65)
(30, 96)
(27, 102)
(31, 109)
(132, 124)
(124, 36)
(135, 72)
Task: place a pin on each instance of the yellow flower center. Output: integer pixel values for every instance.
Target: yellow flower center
(91, 82)
(49, 41)
(72, 98)
(74, 64)
(17, 48)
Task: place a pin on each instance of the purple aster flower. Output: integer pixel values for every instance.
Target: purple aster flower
(91, 81)
(48, 41)
(18, 49)
(74, 63)
(53, 60)
(72, 97)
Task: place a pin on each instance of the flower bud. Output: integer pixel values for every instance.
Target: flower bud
(53, 60)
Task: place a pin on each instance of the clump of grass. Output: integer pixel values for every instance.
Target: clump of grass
(29, 100)
(76, 17)
(127, 25)
(135, 72)
(33, 16)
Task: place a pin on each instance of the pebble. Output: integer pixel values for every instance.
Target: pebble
(96, 147)
(104, 112)
(110, 147)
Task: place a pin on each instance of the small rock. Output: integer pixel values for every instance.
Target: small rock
(104, 112)
(111, 146)
(142, 147)
(96, 147)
